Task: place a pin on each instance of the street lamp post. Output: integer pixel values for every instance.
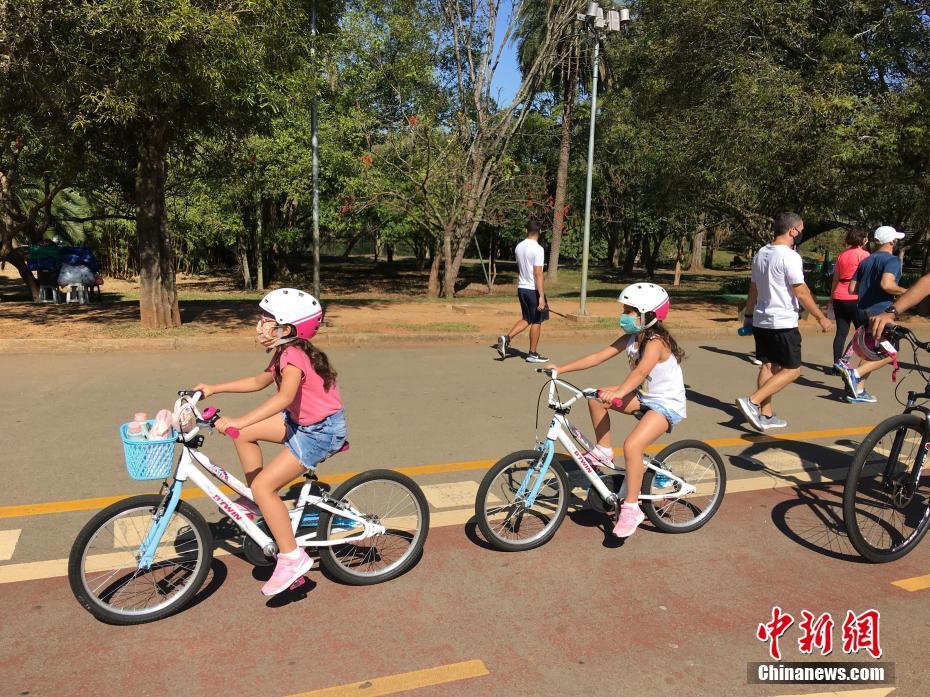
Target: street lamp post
(595, 25)
(315, 159)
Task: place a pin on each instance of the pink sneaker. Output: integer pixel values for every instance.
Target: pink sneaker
(286, 571)
(250, 507)
(630, 518)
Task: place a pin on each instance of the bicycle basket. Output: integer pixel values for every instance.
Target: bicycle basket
(148, 459)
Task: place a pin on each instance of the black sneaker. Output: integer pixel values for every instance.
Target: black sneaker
(534, 357)
(503, 342)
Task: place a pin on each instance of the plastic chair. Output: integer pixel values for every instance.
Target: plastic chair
(48, 294)
(77, 294)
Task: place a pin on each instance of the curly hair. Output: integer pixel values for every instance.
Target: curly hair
(657, 331)
(318, 359)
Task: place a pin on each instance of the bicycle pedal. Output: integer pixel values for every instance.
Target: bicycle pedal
(298, 583)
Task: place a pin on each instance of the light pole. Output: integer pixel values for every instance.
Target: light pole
(595, 25)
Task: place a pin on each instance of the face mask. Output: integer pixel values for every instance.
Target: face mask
(629, 325)
(799, 239)
(269, 333)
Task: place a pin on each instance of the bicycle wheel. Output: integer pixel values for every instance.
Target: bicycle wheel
(885, 511)
(383, 496)
(503, 517)
(103, 565)
(697, 464)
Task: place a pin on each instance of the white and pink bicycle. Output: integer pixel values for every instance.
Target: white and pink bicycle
(145, 557)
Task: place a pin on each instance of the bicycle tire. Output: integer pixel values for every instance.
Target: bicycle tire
(342, 562)
(857, 482)
(661, 516)
(487, 527)
(79, 563)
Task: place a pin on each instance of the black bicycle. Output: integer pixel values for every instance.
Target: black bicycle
(886, 502)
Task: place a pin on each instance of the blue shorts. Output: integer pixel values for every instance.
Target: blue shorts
(529, 306)
(673, 417)
(314, 443)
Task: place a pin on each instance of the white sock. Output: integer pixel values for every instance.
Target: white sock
(605, 452)
(856, 373)
(290, 555)
(631, 505)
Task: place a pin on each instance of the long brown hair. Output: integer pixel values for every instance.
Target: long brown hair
(660, 332)
(318, 359)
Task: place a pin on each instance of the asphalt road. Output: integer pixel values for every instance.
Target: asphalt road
(660, 614)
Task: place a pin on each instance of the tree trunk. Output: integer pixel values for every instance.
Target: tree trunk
(561, 181)
(629, 261)
(18, 260)
(259, 246)
(697, 242)
(389, 253)
(709, 251)
(158, 299)
(432, 289)
(448, 282)
(243, 251)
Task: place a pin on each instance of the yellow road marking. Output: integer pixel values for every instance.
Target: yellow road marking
(8, 540)
(918, 583)
(401, 682)
(872, 692)
(33, 509)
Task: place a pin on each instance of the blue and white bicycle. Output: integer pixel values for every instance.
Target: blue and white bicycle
(523, 498)
(145, 557)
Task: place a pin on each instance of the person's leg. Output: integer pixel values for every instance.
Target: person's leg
(867, 367)
(600, 417)
(519, 327)
(649, 429)
(271, 430)
(780, 379)
(766, 371)
(283, 468)
(535, 330)
(843, 321)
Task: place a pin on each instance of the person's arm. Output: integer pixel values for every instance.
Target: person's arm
(806, 298)
(836, 280)
(890, 284)
(255, 383)
(290, 383)
(853, 286)
(651, 353)
(751, 301)
(913, 295)
(538, 276)
(591, 360)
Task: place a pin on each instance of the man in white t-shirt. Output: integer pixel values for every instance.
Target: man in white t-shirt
(530, 291)
(776, 294)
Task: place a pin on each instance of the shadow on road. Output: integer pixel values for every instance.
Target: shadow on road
(814, 520)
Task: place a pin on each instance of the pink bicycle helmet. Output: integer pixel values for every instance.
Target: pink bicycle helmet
(868, 348)
(649, 299)
(295, 307)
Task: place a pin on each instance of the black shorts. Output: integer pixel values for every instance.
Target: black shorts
(780, 347)
(529, 304)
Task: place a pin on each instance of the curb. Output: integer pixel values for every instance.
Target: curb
(233, 343)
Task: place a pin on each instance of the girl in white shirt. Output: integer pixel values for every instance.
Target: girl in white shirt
(655, 386)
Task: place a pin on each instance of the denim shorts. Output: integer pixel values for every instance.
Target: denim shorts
(673, 417)
(314, 443)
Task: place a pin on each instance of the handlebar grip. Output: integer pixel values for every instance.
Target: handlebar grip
(616, 402)
(232, 432)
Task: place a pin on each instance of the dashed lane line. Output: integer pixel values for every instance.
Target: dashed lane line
(918, 583)
(88, 504)
(402, 682)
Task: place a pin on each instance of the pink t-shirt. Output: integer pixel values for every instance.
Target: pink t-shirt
(846, 264)
(312, 403)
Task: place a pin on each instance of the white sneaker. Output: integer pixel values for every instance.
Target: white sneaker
(534, 357)
(502, 343)
(751, 412)
(772, 422)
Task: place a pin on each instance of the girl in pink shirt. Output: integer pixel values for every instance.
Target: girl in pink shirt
(305, 415)
(845, 303)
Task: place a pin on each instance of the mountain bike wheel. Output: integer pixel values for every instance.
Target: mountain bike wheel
(697, 464)
(386, 497)
(885, 512)
(103, 569)
(503, 518)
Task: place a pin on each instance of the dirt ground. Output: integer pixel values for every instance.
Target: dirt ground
(214, 306)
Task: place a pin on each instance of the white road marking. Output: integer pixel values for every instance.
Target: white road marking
(8, 540)
(451, 494)
(873, 692)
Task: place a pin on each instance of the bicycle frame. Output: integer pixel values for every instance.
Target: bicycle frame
(561, 430)
(188, 469)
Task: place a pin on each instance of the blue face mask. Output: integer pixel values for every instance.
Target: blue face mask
(629, 325)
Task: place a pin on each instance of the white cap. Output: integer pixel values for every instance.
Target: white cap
(886, 234)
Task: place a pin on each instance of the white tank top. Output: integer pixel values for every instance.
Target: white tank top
(665, 384)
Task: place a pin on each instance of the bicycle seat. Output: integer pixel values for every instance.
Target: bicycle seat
(311, 474)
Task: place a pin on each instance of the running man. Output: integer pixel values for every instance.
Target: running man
(876, 282)
(532, 295)
(776, 290)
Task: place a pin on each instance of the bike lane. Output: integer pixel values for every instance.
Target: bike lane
(660, 614)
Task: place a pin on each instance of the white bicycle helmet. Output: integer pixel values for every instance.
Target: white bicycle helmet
(295, 307)
(651, 300)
